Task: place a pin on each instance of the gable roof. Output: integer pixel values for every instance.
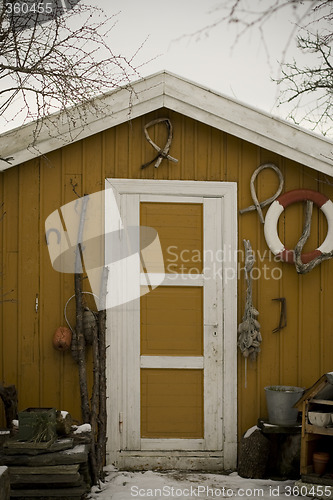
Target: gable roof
(177, 94)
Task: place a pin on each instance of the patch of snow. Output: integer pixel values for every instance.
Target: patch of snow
(185, 485)
(83, 428)
(64, 414)
(3, 469)
(80, 448)
(250, 431)
(15, 423)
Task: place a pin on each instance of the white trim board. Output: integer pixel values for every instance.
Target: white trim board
(123, 398)
(177, 94)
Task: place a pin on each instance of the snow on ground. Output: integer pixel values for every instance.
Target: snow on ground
(82, 428)
(185, 485)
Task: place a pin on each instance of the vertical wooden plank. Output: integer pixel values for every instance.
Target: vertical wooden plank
(160, 138)
(28, 285)
(326, 268)
(122, 152)
(71, 175)
(136, 146)
(249, 230)
(233, 158)
(50, 311)
(92, 182)
(2, 265)
(188, 149)
(269, 287)
(202, 151)
(312, 281)
(290, 337)
(1, 284)
(215, 165)
(174, 169)
(9, 273)
(109, 152)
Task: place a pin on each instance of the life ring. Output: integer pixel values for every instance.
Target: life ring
(275, 210)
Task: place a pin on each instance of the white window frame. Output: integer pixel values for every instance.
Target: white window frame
(177, 191)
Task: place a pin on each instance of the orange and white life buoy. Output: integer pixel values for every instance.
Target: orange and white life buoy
(275, 210)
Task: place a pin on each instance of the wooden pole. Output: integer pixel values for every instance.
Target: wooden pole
(81, 344)
(94, 416)
(102, 414)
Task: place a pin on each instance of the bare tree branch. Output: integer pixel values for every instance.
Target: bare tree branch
(52, 66)
(309, 88)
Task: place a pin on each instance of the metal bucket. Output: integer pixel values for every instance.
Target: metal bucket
(280, 400)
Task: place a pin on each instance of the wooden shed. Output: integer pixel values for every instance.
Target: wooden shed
(178, 391)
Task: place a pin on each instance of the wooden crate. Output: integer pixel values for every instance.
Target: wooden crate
(314, 438)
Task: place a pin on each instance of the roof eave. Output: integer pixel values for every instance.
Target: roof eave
(166, 90)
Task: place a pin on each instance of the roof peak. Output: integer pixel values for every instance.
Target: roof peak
(165, 89)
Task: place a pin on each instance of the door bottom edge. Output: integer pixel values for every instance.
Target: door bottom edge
(178, 460)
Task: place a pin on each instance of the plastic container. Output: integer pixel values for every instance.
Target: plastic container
(280, 400)
(319, 418)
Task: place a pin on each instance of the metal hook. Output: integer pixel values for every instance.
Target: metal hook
(283, 314)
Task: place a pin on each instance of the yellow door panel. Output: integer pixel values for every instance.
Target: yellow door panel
(180, 229)
(172, 403)
(172, 321)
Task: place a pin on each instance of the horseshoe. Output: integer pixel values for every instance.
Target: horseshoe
(162, 153)
(258, 206)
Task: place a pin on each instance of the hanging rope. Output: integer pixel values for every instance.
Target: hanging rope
(162, 153)
(258, 206)
(249, 339)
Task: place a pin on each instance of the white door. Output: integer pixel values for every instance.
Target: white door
(172, 362)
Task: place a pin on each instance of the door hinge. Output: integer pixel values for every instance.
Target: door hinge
(121, 421)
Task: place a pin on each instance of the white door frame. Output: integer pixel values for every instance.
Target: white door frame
(174, 191)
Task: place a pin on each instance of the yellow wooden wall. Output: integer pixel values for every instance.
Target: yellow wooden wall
(297, 355)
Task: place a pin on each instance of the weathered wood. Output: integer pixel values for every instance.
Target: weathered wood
(63, 493)
(102, 414)
(258, 206)
(52, 469)
(81, 343)
(63, 423)
(25, 448)
(65, 479)
(302, 268)
(162, 153)
(15, 443)
(95, 405)
(9, 398)
(76, 455)
(325, 480)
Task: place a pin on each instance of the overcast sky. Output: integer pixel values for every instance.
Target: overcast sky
(243, 71)
(173, 40)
